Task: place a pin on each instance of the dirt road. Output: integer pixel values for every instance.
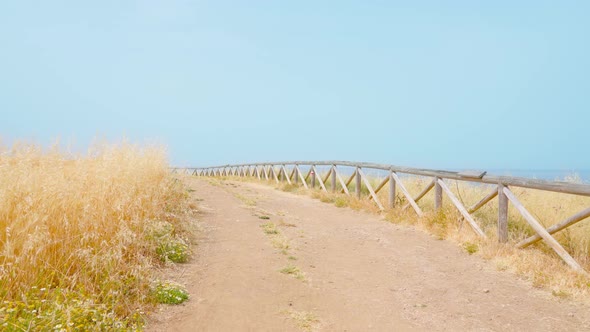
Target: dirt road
(325, 268)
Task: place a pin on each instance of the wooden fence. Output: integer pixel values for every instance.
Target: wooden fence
(291, 172)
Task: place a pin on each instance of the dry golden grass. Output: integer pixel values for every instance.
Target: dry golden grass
(79, 235)
(306, 321)
(538, 264)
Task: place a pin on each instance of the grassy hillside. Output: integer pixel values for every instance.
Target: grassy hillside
(80, 235)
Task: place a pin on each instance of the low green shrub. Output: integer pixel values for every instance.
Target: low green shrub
(168, 292)
(173, 249)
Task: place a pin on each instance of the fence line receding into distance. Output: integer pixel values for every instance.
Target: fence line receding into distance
(291, 172)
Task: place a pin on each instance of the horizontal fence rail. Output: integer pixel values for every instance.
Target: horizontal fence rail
(291, 173)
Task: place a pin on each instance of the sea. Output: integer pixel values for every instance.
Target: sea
(575, 175)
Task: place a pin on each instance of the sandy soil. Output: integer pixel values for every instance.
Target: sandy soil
(359, 273)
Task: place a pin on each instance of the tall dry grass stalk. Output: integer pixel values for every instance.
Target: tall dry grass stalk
(77, 249)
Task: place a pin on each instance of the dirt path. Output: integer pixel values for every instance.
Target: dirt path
(357, 273)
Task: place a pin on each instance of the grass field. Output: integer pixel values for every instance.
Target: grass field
(81, 236)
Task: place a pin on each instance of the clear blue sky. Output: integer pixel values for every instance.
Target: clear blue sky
(439, 84)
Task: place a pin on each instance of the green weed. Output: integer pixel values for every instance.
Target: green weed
(169, 293)
(173, 249)
(270, 228)
(293, 271)
(470, 247)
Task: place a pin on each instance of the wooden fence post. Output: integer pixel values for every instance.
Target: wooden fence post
(502, 215)
(391, 190)
(333, 178)
(313, 175)
(358, 183)
(437, 195)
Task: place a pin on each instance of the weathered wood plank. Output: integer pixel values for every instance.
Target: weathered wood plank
(333, 180)
(274, 173)
(371, 191)
(301, 177)
(425, 190)
(472, 174)
(327, 176)
(551, 242)
(391, 190)
(285, 174)
(352, 176)
(407, 194)
(381, 185)
(461, 208)
(342, 183)
(357, 188)
(319, 179)
(502, 214)
(483, 201)
(422, 193)
(557, 227)
(266, 172)
(438, 198)
(307, 174)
